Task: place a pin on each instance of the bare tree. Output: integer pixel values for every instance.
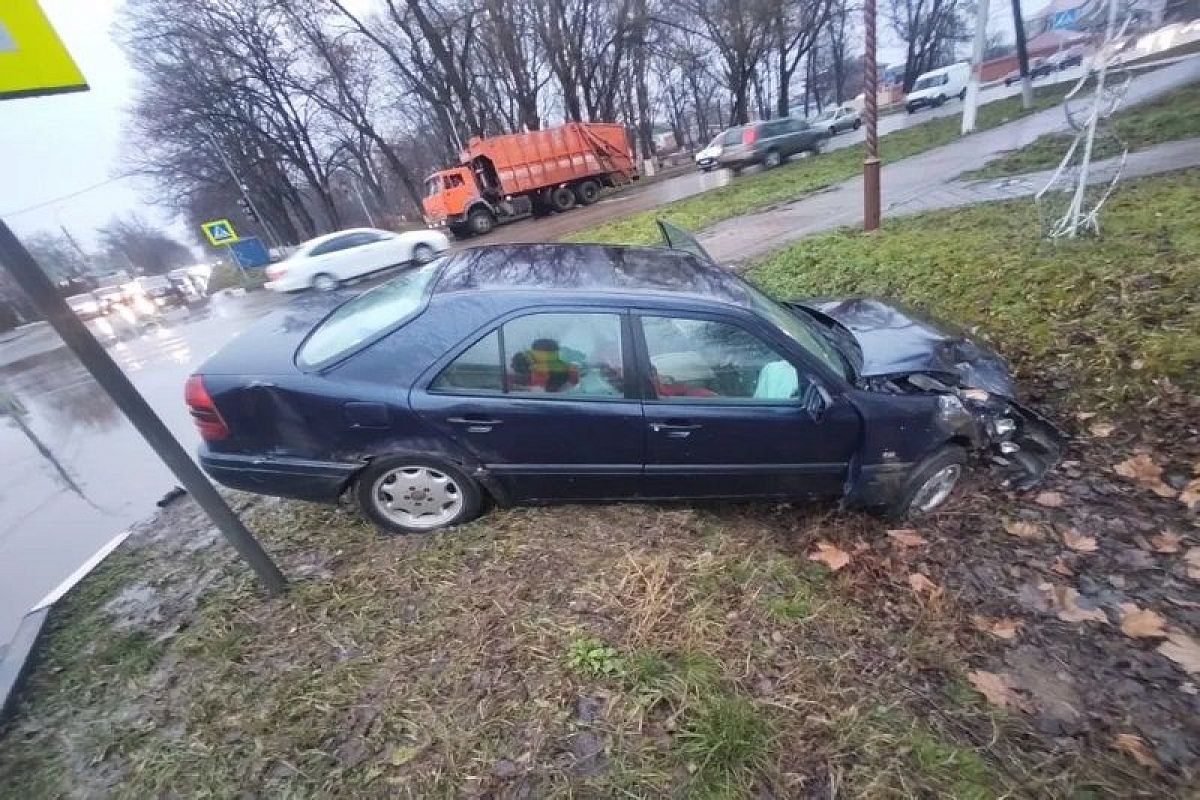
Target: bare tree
(796, 26)
(930, 29)
(148, 249)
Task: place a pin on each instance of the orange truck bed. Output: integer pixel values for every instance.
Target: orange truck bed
(526, 162)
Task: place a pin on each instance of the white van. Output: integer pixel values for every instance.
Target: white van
(938, 85)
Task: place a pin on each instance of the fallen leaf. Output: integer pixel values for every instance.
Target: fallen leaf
(1022, 529)
(996, 687)
(1166, 542)
(1141, 623)
(905, 537)
(1183, 650)
(1077, 541)
(1049, 499)
(1062, 567)
(1102, 430)
(1133, 746)
(1141, 468)
(830, 555)
(1192, 559)
(1084, 416)
(1190, 496)
(1005, 628)
(922, 585)
(1066, 600)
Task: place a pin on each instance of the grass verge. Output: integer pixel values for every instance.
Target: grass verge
(1174, 116)
(804, 175)
(1104, 317)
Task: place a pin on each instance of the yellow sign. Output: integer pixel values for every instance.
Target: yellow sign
(33, 60)
(219, 232)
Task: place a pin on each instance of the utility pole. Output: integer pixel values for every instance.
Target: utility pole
(971, 104)
(246, 194)
(30, 277)
(871, 199)
(1022, 57)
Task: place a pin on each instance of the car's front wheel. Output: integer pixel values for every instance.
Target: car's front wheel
(324, 282)
(415, 495)
(930, 484)
(423, 253)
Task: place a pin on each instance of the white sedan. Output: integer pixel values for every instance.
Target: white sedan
(325, 262)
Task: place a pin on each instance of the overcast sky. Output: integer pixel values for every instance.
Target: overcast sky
(59, 145)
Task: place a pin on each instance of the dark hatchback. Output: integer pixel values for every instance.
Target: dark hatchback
(559, 372)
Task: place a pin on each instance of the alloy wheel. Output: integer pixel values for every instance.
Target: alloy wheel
(417, 497)
(936, 489)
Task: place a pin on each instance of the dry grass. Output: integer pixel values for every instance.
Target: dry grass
(625, 651)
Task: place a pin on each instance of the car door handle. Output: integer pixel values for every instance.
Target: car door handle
(675, 430)
(475, 424)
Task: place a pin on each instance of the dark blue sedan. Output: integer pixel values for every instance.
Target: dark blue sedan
(560, 372)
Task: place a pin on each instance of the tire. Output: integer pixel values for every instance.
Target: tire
(947, 464)
(480, 221)
(587, 192)
(402, 494)
(771, 159)
(324, 282)
(562, 199)
(833, 130)
(423, 254)
(815, 150)
(963, 94)
(941, 101)
(857, 124)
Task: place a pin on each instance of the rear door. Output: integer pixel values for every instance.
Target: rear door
(730, 413)
(542, 402)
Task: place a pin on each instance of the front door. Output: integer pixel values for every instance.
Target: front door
(541, 403)
(729, 416)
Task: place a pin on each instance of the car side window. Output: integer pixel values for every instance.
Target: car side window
(565, 354)
(477, 369)
(575, 355)
(700, 360)
(332, 246)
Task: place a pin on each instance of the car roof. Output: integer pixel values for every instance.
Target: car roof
(589, 269)
(327, 236)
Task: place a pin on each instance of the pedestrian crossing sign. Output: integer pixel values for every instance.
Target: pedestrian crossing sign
(219, 232)
(33, 60)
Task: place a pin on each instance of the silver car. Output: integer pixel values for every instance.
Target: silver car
(838, 119)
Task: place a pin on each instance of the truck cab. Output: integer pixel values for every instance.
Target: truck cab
(448, 195)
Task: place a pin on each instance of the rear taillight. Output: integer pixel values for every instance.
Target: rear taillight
(276, 271)
(750, 136)
(204, 411)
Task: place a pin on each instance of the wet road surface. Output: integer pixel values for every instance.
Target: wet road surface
(46, 527)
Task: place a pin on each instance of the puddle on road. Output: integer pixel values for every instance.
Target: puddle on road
(51, 522)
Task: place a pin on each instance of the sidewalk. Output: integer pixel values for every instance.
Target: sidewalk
(928, 181)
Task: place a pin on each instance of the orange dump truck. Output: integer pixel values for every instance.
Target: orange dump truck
(505, 178)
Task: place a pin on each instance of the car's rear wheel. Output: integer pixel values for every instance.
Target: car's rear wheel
(423, 253)
(930, 484)
(771, 159)
(562, 199)
(587, 193)
(857, 124)
(324, 282)
(415, 495)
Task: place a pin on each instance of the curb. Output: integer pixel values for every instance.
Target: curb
(18, 658)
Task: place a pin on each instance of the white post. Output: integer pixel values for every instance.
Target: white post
(1090, 138)
(971, 102)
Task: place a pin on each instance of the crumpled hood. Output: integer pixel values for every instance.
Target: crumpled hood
(897, 341)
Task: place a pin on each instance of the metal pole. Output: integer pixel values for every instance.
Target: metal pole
(242, 189)
(1022, 56)
(871, 198)
(1090, 138)
(96, 360)
(362, 201)
(971, 104)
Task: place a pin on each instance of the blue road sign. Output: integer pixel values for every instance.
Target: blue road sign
(1065, 19)
(250, 252)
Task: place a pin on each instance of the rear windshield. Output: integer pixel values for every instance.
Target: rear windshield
(367, 316)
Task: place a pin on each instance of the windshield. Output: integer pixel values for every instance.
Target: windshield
(927, 81)
(801, 331)
(829, 113)
(367, 316)
(432, 186)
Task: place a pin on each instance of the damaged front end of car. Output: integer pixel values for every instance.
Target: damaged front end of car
(1022, 442)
